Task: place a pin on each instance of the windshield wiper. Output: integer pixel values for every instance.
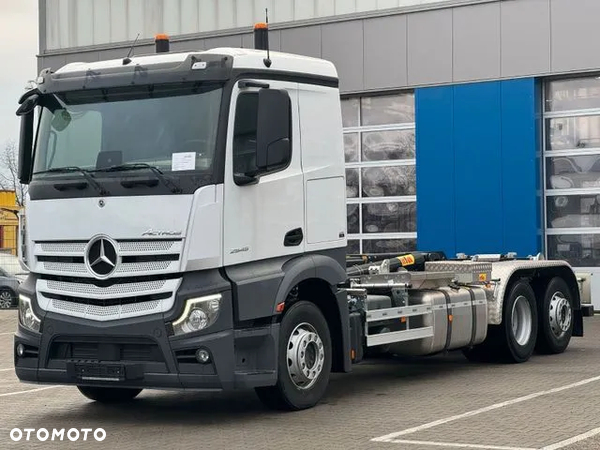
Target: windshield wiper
(139, 166)
(73, 169)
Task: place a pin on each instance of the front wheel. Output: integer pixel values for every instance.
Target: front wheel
(304, 360)
(8, 299)
(555, 318)
(109, 395)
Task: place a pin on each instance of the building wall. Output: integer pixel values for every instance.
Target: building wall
(443, 44)
(79, 23)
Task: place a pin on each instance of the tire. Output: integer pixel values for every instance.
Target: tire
(518, 332)
(555, 327)
(8, 298)
(109, 395)
(302, 326)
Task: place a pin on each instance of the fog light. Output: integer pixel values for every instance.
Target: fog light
(20, 350)
(202, 356)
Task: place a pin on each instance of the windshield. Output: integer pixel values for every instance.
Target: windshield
(173, 128)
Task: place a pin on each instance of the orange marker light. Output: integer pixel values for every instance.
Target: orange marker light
(261, 26)
(280, 306)
(352, 354)
(402, 319)
(450, 318)
(161, 37)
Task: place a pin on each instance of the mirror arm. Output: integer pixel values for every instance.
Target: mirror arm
(244, 180)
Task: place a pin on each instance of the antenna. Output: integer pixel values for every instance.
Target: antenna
(261, 38)
(268, 60)
(127, 59)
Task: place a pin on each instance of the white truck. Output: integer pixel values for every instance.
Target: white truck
(185, 228)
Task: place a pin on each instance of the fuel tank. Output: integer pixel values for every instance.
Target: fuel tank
(458, 318)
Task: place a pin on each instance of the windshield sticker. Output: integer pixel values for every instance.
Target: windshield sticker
(183, 161)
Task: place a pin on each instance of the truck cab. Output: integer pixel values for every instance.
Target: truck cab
(179, 204)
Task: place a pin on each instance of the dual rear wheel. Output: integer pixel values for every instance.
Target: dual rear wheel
(544, 324)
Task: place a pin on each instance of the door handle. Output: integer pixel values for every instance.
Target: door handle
(293, 238)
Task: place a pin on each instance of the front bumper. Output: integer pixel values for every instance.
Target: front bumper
(139, 353)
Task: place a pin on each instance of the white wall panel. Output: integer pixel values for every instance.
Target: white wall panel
(102, 22)
(207, 15)
(345, 6)
(153, 17)
(325, 8)
(135, 18)
(245, 12)
(385, 4)
(118, 19)
(304, 10)
(81, 23)
(366, 5)
(85, 22)
(227, 14)
(189, 16)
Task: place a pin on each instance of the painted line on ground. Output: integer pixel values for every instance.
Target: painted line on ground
(6, 334)
(455, 445)
(392, 436)
(573, 440)
(6, 370)
(28, 391)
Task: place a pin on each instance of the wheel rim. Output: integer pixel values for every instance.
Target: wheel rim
(560, 314)
(5, 299)
(305, 356)
(521, 320)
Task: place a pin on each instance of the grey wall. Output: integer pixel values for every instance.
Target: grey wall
(503, 39)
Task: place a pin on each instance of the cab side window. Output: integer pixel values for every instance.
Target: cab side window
(244, 134)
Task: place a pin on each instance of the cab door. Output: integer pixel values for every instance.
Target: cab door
(263, 200)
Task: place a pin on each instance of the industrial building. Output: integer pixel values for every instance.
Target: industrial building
(451, 108)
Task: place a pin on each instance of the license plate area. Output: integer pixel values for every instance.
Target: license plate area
(100, 372)
(104, 372)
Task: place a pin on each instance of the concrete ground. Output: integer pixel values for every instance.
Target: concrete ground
(551, 402)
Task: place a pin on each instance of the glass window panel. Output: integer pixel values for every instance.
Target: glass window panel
(389, 245)
(388, 145)
(388, 181)
(351, 183)
(573, 211)
(353, 218)
(565, 172)
(353, 247)
(387, 109)
(580, 250)
(350, 112)
(573, 132)
(351, 147)
(573, 94)
(396, 217)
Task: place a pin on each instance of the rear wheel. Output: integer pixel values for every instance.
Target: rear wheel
(304, 360)
(109, 395)
(512, 341)
(555, 318)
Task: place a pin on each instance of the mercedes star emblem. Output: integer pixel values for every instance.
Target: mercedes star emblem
(101, 256)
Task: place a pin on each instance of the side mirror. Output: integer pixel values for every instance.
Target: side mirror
(26, 112)
(25, 148)
(273, 133)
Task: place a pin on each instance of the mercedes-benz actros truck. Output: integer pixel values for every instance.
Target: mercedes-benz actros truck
(185, 228)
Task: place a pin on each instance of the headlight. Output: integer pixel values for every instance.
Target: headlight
(199, 313)
(27, 317)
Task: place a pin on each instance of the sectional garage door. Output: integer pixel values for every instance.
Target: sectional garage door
(379, 137)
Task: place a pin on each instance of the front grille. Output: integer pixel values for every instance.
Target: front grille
(142, 283)
(151, 257)
(94, 349)
(103, 302)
